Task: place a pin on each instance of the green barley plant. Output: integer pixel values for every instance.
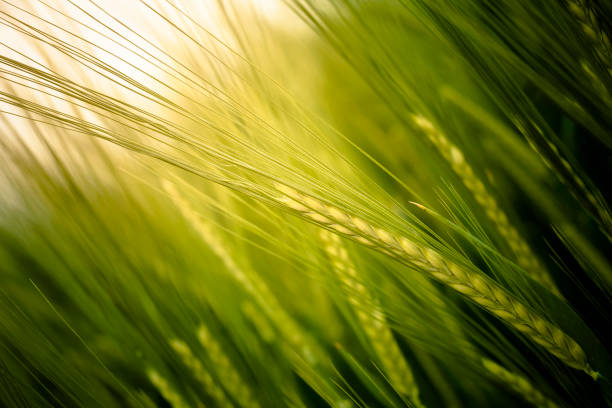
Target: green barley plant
(203, 376)
(371, 319)
(165, 389)
(305, 203)
(519, 384)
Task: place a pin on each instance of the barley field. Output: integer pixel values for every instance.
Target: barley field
(305, 203)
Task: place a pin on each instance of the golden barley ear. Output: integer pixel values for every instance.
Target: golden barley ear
(473, 285)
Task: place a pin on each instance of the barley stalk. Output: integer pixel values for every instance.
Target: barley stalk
(595, 205)
(209, 236)
(142, 400)
(200, 373)
(525, 257)
(372, 320)
(291, 331)
(255, 286)
(228, 374)
(260, 322)
(475, 286)
(518, 384)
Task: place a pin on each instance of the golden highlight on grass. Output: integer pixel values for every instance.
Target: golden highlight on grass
(472, 285)
(372, 320)
(524, 256)
(518, 384)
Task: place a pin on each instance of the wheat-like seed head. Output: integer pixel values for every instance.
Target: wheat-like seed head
(590, 26)
(165, 389)
(475, 286)
(525, 257)
(598, 85)
(518, 384)
(228, 374)
(200, 373)
(372, 320)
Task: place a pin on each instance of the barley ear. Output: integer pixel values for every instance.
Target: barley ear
(519, 384)
(372, 320)
(473, 285)
(165, 389)
(524, 256)
(200, 373)
(228, 374)
(590, 26)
